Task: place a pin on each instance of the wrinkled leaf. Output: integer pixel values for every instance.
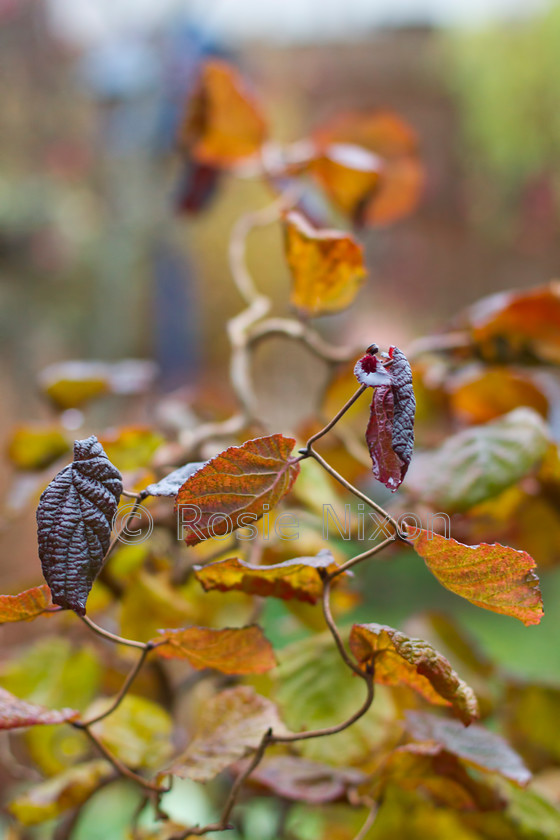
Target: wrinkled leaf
(48, 799)
(223, 123)
(479, 463)
(232, 725)
(138, 731)
(299, 779)
(36, 447)
(171, 484)
(16, 713)
(398, 659)
(495, 577)
(25, 606)
(74, 521)
(242, 483)
(475, 745)
(390, 431)
(131, 447)
(299, 578)
(327, 266)
(233, 650)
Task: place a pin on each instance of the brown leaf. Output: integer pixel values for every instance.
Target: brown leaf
(476, 746)
(241, 483)
(302, 780)
(299, 578)
(327, 266)
(495, 577)
(25, 606)
(398, 659)
(223, 123)
(16, 713)
(232, 725)
(232, 650)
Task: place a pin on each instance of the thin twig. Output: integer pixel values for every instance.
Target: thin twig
(336, 418)
(112, 637)
(149, 646)
(360, 557)
(334, 629)
(370, 819)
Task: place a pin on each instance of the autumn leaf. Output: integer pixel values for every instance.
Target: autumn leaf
(74, 383)
(477, 464)
(495, 577)
(232, 650)
(25, 606)
(517, 327)
(390, 431)
(48, 799)
(172, 483)
(349, 175)
(232, 725)
(131, 447)
(301, 780)
(299, 578)
(16, 713)
(393, 142)
(138, 731)
(327, 266)
(476, 746)
(482, 395)
(223, 123)
(74, 521)
(398, 659)
(236, 487)
(36, 447)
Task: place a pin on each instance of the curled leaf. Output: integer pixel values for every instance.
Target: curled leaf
(171, 484)
(399, 659)
(299, 578)
(74, 521)
(236, 487)
(16, 713)
(327, 266)
(232, 650)
(232, 725)
(390, 431)
(349, 174)
(25, 606)
(223, 123)
(495, 577)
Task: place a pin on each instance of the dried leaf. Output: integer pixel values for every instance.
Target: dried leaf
(223, 123)
(25, 606)
(36, 447)
(477, 464)
(476, 746)
(241, 483)
(390, 431)
(398, 659)
(172, 483)
(327, 266)
(495, 577)
(300, 780)
(74, 520)
(232, 725)
(16, 713)
(349, 174)
(299, 578)
(232, 650)
(52, 797)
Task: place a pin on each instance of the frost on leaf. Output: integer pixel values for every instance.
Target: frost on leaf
(74, 523)
(172, 483)
(390, 431)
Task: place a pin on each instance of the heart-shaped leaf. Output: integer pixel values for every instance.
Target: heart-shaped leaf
(236, 487)
(74, 520)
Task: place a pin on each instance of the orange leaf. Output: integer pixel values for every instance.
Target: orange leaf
(25, 606)
(518, 326)
(16, 713)
(496, 577)
(348, 174)
(233, 650)
(299, 578)
(398, 659)
(327, 266)
(241, 483)
(484, 395)
(232, 725)
(223, 123)
(394, 142)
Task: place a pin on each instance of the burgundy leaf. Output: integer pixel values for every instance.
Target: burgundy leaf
(390, 431)
(74, 521)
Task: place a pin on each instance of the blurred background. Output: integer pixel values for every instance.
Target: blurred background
(98, 259)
